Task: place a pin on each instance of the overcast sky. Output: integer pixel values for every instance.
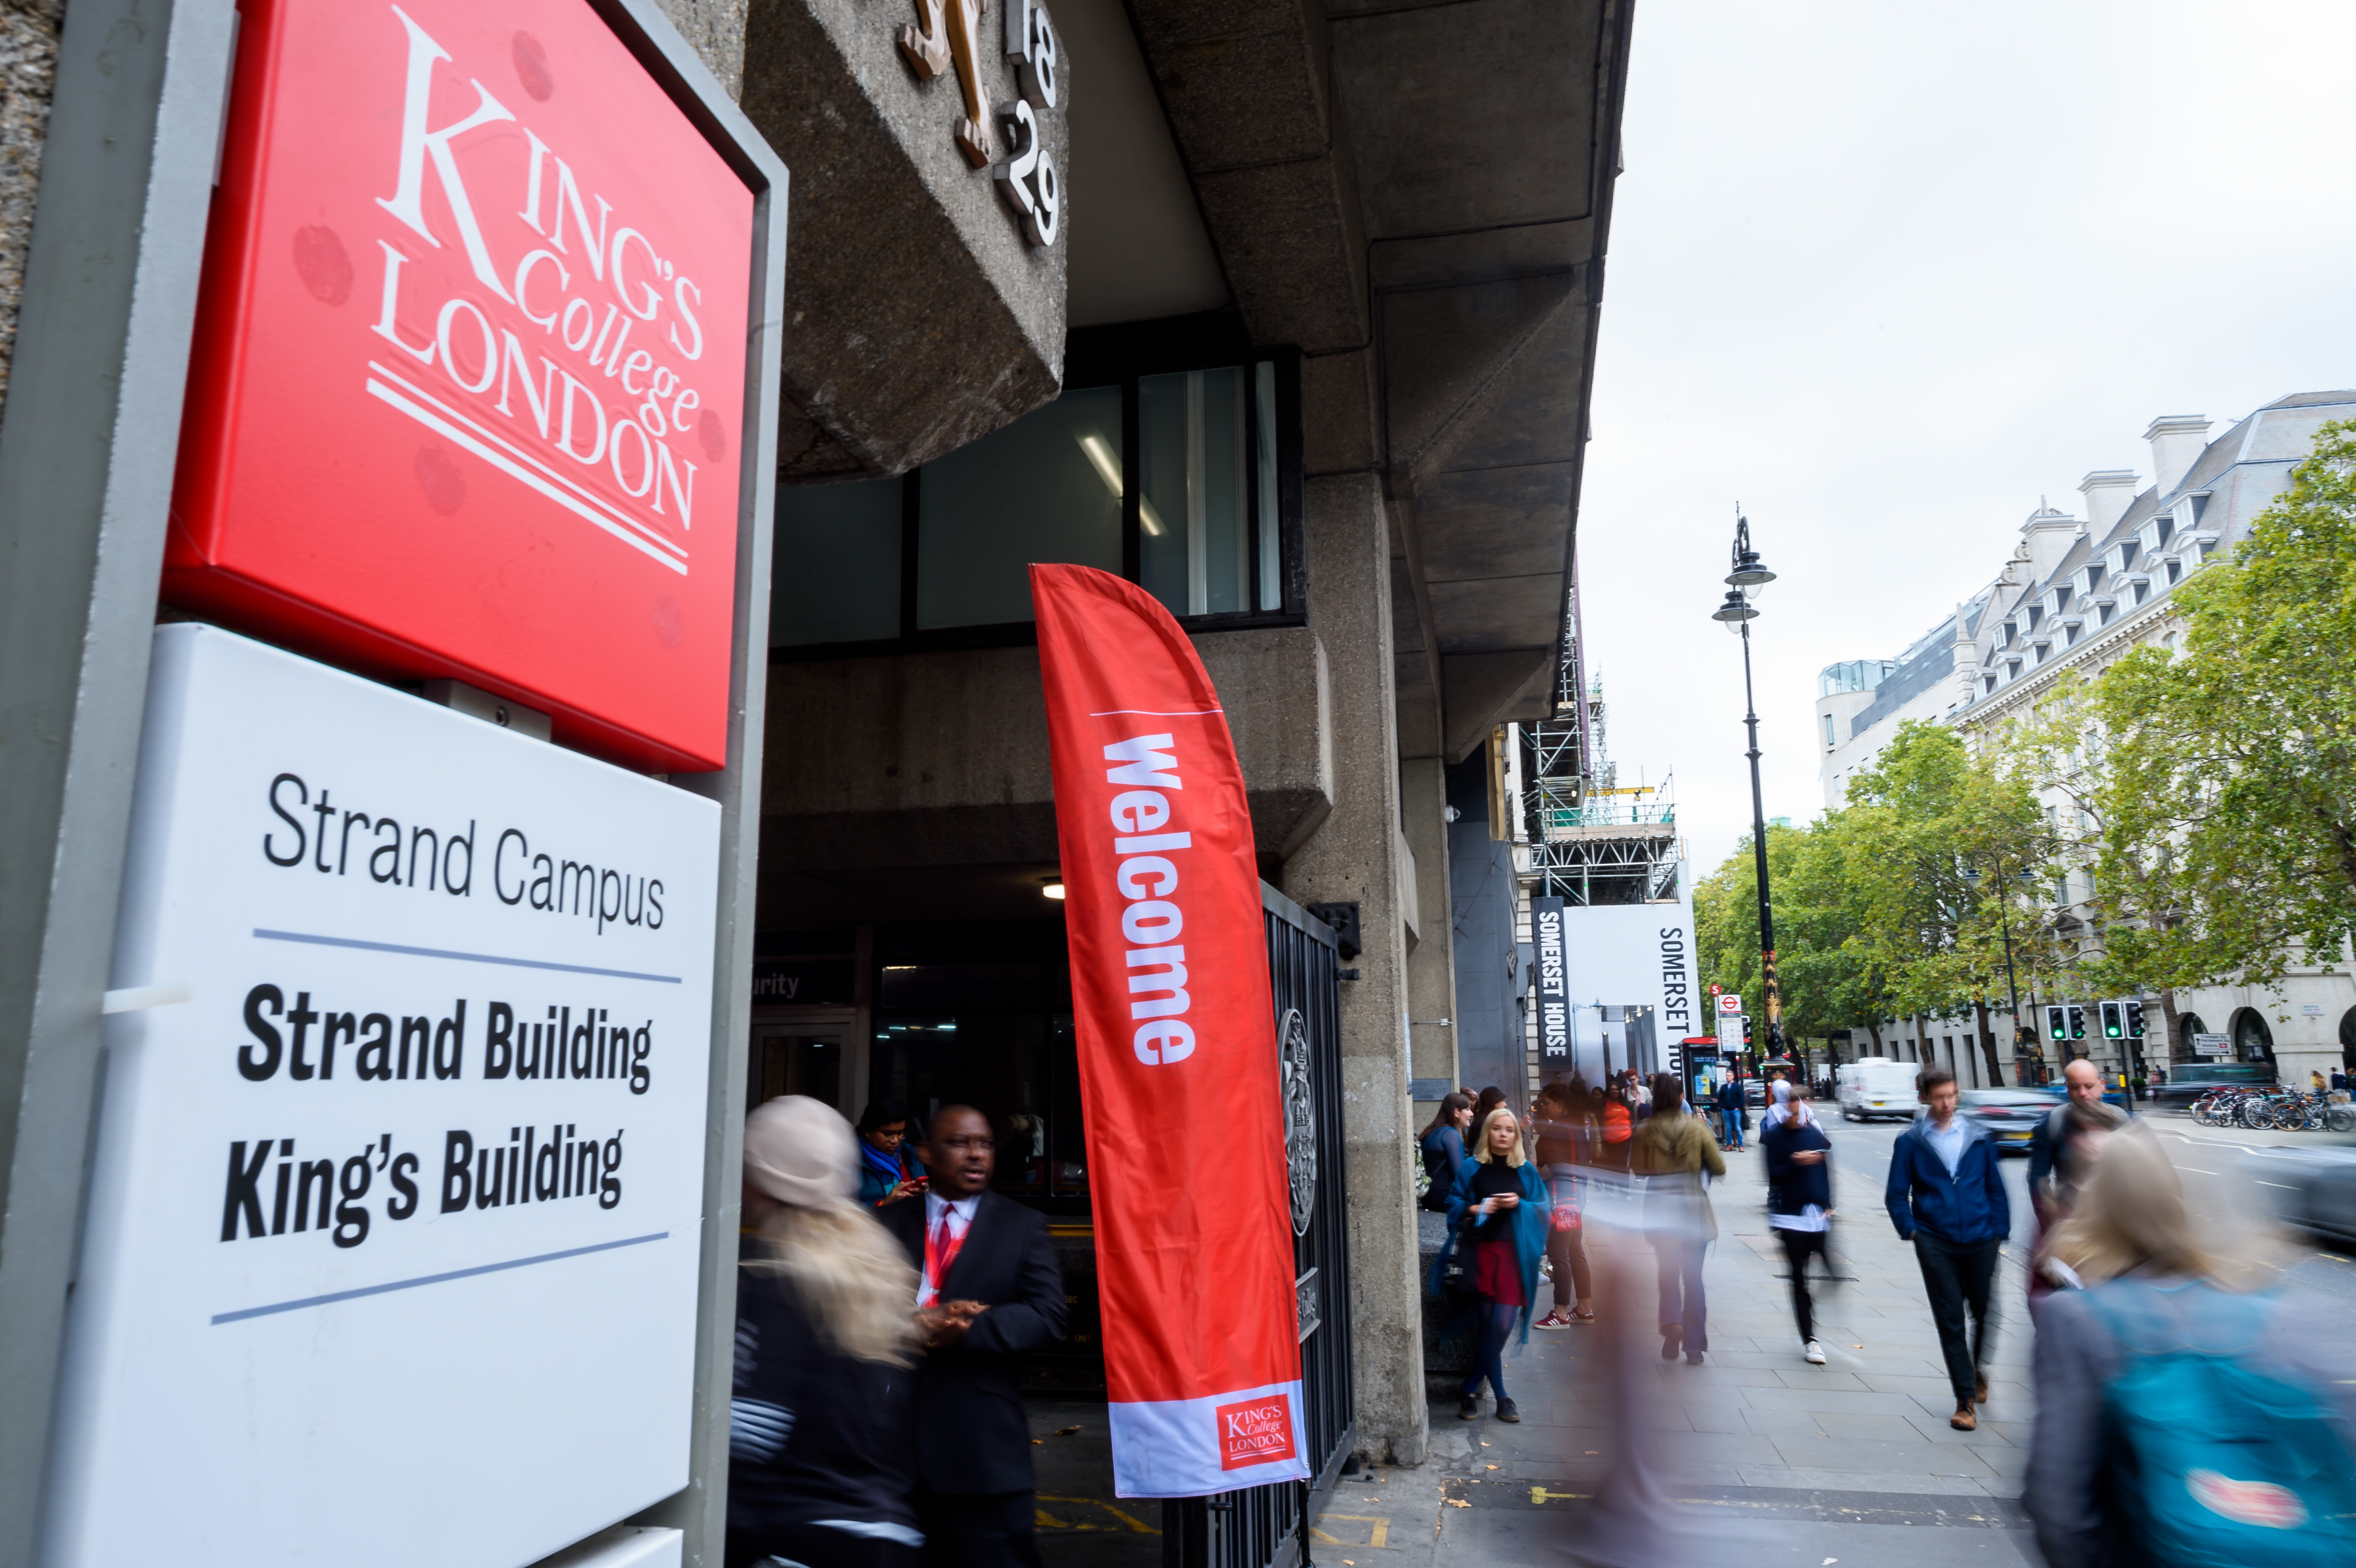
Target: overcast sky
(1886, 274)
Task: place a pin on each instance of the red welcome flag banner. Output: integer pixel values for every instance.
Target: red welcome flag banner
(1178, 1054)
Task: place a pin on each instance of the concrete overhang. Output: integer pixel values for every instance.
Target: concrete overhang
(1487, 171)
(917, 316)
(1417, 196)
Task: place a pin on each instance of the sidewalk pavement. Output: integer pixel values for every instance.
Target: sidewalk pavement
(1851, 1462)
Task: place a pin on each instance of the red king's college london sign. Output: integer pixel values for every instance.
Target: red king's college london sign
(470, 374)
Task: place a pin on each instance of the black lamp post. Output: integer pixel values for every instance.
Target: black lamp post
(2024, 876)
(1749, 576)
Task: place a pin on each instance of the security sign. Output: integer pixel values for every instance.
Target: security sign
(469, 371)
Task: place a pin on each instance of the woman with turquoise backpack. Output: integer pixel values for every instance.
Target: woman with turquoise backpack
(1498, 1208)
(2179, 1423)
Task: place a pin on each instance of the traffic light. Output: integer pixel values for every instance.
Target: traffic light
(2114, 1021)
(2077, 1021)
(2134, 1020)
(2057, 1022)
(1746, 1031)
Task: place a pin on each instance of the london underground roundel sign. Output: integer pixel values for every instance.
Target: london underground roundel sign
(469, 377)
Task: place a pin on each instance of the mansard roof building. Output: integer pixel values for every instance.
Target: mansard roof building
(2076, 595)
(2077, 592)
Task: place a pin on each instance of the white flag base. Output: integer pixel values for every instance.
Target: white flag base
(1193, 1447)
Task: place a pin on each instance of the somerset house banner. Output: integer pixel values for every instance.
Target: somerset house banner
(1620, 956)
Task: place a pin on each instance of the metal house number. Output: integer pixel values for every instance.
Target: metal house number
(948, 33)
(1029, 181)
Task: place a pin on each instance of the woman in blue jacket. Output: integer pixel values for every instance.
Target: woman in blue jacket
(1498, 1207)
(1442, 1146)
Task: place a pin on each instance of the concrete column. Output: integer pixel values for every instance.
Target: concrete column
(1355, 856)
(1431, 957)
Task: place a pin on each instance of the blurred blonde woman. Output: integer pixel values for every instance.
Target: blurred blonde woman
(2178, 1422)
(1498, 1205)
(819, 1434)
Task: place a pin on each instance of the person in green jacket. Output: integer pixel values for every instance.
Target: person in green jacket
(1673, 1151)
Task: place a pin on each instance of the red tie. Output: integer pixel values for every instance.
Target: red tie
(941, 1249)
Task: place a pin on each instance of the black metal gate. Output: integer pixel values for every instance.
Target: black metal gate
(1263, 1526)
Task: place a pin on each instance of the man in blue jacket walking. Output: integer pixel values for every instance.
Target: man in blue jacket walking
(1947, 1197)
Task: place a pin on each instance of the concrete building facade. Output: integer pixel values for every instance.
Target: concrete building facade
(2076, 595)
(1312, 361)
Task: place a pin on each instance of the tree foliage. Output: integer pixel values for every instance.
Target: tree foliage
(2206, 791)
(2219, 778)
(1898, 902)
(1810, 931)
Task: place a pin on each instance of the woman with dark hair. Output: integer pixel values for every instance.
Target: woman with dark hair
(1674, 1151)
(1499, 1207)
(1442, 1146)
(886, 1174)
(1557, 1139)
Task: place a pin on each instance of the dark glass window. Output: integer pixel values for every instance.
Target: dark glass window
(835, 575)
(1047, 487)
(1021, 1069)
(1195, 513)
(1172, 459)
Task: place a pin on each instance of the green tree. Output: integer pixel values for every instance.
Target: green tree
(2219, 778)
(1933, 842)
(1898, 903)
(1818, 974)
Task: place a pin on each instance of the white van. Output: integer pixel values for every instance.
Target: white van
(1875, 1086)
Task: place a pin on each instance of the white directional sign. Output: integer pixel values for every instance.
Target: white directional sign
(392, 1252)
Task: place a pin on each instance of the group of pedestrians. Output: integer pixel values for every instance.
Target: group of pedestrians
(877, 1417)
(2178, 1421)
(1522, 1193)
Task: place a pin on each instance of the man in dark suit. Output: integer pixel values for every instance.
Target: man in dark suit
(989, 1290)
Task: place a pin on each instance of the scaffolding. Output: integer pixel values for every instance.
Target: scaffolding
(1590, 839)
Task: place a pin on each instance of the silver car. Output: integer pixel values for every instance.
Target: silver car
(2311, 1183)
(2009, 1115)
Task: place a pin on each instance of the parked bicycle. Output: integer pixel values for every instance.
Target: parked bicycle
(2280, 1109)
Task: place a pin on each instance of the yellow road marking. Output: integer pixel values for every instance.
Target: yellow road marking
(1379, 1535)
(1540, 1495)
(1131, 1520)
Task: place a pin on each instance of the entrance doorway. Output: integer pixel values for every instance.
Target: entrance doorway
(801, 1050)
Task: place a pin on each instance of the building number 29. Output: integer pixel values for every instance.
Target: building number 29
(947, 35)
(1029, 180)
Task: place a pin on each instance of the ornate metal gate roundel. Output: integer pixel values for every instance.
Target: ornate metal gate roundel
(1300, 1118)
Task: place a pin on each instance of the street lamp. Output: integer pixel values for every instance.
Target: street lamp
(1750, 574)
(2025, 877)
